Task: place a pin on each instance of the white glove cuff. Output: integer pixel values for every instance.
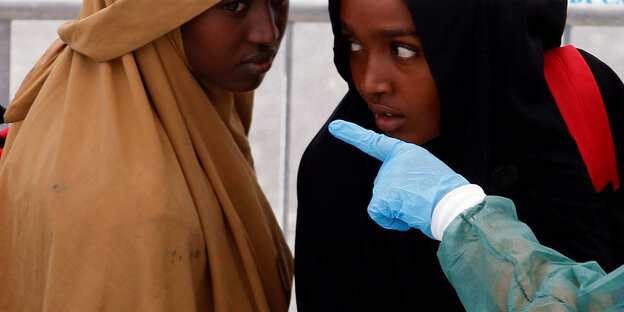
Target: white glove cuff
(452, 205)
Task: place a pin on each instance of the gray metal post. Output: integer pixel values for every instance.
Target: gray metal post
(5, 61)
(286, 126)
(567, 34)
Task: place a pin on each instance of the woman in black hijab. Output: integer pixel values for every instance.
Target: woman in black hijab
(499, 127)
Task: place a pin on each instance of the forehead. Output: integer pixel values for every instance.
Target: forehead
(382, 14)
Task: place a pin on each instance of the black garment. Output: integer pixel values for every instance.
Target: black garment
(500, 128)
(2, 110)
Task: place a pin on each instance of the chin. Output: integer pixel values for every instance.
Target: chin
(236, 85)
(410, 138)
(400, 136)
(244, 87)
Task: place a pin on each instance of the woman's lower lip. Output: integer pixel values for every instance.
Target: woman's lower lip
(387, 123)
(258, 68)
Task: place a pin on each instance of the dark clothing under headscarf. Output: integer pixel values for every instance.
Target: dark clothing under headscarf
(500, 128)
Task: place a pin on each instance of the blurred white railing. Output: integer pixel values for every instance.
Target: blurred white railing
(580, 12)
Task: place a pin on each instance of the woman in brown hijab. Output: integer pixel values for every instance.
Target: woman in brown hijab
(127, 182)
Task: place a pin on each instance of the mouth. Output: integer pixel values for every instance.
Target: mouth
(387, 119)
(259, 63)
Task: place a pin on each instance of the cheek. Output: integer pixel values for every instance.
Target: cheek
(357, 71)
(424, 101)
(423, 105)
(209, 52)
(195, 36)
(421, 87)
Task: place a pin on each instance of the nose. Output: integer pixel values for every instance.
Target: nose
(375, 78)
(263, 28)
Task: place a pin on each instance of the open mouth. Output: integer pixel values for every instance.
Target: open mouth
(388, 122)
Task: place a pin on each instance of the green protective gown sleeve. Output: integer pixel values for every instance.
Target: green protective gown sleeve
(496, 264)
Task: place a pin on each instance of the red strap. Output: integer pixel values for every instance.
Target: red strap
(3, 135)
(576, 93)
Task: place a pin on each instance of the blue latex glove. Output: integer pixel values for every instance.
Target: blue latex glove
(410, 182)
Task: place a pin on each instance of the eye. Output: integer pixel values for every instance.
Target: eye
(235, 6)
(404, 52)
(355, 47)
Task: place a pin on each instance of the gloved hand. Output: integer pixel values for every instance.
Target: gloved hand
(410, 182)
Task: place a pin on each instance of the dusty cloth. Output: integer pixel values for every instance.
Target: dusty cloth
(127, 186)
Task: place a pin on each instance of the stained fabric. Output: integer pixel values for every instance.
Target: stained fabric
(496, 264)
(500, 128)
(125, 185)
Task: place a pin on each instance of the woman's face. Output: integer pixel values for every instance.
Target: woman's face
(232, 44)
(389, 69)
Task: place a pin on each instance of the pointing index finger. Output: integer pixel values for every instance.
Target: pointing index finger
(370, 142)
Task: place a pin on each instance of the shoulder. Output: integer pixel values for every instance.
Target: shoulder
(610, 85)
(607, 80)
(612, 91)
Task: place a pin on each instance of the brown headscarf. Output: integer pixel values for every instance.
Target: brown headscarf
(127, 186)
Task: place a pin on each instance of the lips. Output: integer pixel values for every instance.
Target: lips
(259, 63)
(387, 119)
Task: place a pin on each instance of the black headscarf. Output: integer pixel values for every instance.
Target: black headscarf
(500, 128)
(2, 110)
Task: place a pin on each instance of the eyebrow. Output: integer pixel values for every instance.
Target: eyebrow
(386, 33)
(346, 27)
